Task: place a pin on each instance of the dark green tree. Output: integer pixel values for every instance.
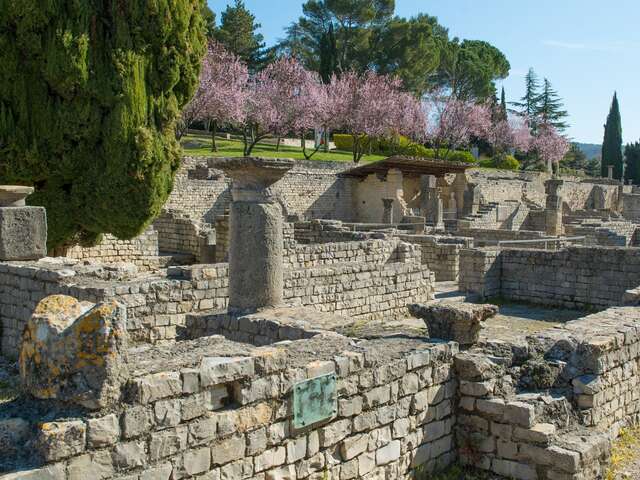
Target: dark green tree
(503, 105)
(612, 143)
(409, 49)
(351, 23)
(90, 93)
(209, 18)
(238, 33)
(529, 104)
(593, 167)
(550, 108)
(469, 69)
(632, 163)
(575, 159)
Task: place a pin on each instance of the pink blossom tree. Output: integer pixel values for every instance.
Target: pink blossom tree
(511, 133)
(550, 146)
(285, 98)
(222, 94)
(371, 106)
(453, 123)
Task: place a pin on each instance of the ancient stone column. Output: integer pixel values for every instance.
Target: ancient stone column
(23, 229)
(553, 207)
(431, 204)
(387, 214)
(610, 172)
(471, 199)
(255, 232)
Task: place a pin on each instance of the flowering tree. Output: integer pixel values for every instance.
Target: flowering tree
(550, 146)
(511, 133)
(453, 123)
(284, 99)
(369, 106)
(222, 93)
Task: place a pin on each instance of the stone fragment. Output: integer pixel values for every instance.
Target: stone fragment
(23, 233)
(215, 370)
(157, 386)
(72, 352)
(103, 431)
(459, 322)
(520, 413)
(58, 440)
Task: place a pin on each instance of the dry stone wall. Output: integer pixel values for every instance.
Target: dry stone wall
(178, 233)
(575, 277)
(138, 251)
(204, 416)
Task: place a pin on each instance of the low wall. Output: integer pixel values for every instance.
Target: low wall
(575, 277)
(111, 250)
(157, 304)
(613, 234)
(206, 416)
(440, 254)
(177, 233)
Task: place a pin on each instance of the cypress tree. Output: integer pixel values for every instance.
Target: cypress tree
(503, 105)
(612, 143)
(90, 93)
(632, 163)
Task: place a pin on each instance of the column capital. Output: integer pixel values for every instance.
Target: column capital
(252, 176)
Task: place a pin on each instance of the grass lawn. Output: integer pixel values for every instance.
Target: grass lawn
(197, 145)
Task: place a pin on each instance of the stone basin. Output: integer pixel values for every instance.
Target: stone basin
(14, 195)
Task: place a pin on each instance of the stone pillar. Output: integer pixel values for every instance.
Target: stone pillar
(431, 205)
(387, 215)
(553, 207)
(255, 232)
(471, 199)
(610, 172)
(23, 230)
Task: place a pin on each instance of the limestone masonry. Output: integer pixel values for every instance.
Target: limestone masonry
(301, 320)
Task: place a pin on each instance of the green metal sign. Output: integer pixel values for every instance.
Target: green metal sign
(314, 400)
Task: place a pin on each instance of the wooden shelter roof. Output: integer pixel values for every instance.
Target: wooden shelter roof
(413, 166)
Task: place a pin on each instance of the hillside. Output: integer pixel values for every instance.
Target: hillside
(590, 149)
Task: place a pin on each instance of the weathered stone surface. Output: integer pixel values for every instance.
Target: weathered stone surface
(58, 440)
(460, 322)
(103, 431)
(23, 233)
(72, 352)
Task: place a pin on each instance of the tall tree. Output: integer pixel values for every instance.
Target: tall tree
(469, 69)
(238, 34)
(612, 143)
(632, 163)
(90, 94)
(575, 159)
(550, 108)
(503, 105)
(409, 49)
(529, 104)
(209, 18)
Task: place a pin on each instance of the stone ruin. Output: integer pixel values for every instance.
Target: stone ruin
(340, 347)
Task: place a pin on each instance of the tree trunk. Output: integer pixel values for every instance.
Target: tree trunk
(214, 128)
(278, 144)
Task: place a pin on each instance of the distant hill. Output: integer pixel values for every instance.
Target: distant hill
(591, 150)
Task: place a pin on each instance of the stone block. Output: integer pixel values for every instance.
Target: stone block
(130, 455)
(520, 413)
(459, 322)
(73, 352)
(58, 440)
(389, 453)
(215, 370)
(228, 450)
(23, 233)
(103, 431)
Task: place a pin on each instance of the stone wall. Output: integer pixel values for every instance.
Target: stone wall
(440, 254)
(310, 190)
(178, 233)
(575, 277)
(110, 250)
(614, 234)
(157, 304)
(631, 207)
(210, 417)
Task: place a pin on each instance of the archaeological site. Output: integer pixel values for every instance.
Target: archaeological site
(285, 320)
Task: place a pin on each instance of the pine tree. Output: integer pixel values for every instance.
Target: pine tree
(90, 94)
(237, 32)
(550, 110)
(612, 144)
(632, 163)
(529, 104)
(575, 159)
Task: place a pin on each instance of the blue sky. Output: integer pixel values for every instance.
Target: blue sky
(586, 48)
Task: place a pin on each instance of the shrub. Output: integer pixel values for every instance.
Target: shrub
(90, 94)
(417, 150)
(503, 162)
